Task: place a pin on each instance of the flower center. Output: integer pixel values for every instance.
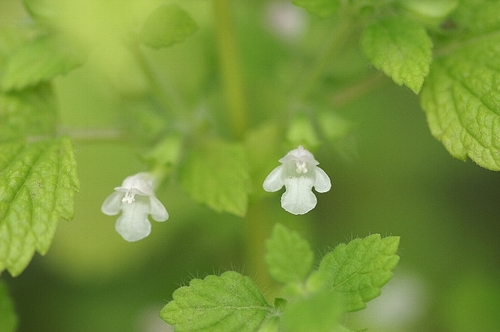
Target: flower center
(301, 167)
(129, 198)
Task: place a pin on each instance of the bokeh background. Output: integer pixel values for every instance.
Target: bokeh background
(389, 176)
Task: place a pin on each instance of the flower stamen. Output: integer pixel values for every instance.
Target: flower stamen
(301, 167)
(128, 198)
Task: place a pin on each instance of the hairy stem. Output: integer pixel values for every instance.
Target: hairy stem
(231, 71)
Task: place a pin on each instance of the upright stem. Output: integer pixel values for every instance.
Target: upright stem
(231, 71)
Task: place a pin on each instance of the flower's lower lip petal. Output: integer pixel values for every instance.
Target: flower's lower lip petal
(133, 224)
(298, 198)
(133, 230)
(112, 204)
(273, 181)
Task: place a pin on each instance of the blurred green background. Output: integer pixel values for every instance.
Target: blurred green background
(389, 177)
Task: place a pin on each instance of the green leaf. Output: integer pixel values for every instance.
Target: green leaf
(228, 303)
(289, 257)
(27, 113)
(167, 25)
(8, 319)
(461, 98)
(321, 8)
(216, 173)
(37, 182)
(400, 48)
(39, 61)
(319, 312)
(360, 268)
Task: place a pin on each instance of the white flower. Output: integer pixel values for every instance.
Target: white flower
(137, 200)
(298, 173)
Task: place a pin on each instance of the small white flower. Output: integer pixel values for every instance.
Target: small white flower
(298, 173)
(137, 200)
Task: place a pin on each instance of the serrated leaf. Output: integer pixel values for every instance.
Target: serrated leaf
(37, 182)
(166, 26)
(216, 173)
(230, 303)
(289, 257)
(321, 8)
(8, 319)
(39, 61)
(461, 98)
(400, 48)
(319, 312)
(27, 113)
(360, 268)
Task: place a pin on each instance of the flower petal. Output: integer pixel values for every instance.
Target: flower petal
(322, 183)
(298, 198)
(158, 211)
(133, 224)
(273, 180)
(112, 204)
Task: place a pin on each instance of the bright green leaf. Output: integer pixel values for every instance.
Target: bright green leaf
(322, 8)
(360, 268)
(37, 182)
(8, 319)
(167, 25)
(27, 113)
(230, 303)
(289, 257)
(461, 98)
(319, 312)
(216, 173)
(400, 48)
(39, 61)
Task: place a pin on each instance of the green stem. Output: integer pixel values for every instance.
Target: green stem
(231, 71)
(332, 49)
(161, 92)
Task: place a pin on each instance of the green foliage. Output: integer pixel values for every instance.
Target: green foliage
(216, 173)
(39, 61)
(347, 277)
(319, 312)
(462, 94)
(37, 182)
(400, 48)
(8, 319)
(360, 268)
(322, 8)
(166, 26)
(289, 257)
(27, 113)
(230, 303)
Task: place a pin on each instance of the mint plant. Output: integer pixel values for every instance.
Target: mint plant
(210, 103)
(347, 277)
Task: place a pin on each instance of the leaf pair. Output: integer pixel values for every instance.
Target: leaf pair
(347, 278)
